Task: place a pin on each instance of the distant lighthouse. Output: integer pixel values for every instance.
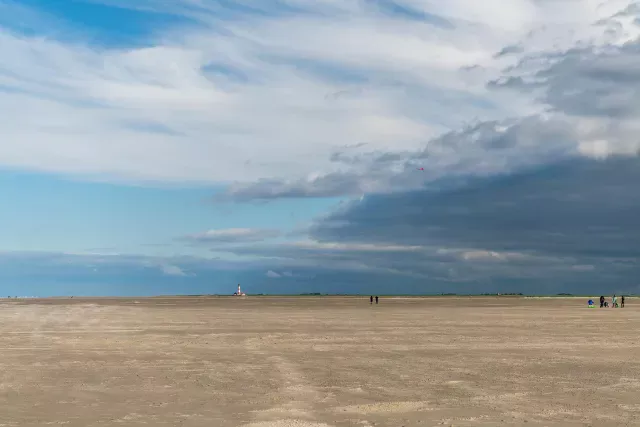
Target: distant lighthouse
(239, 292)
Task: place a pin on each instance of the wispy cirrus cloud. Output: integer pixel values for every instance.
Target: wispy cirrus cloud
(232, 83)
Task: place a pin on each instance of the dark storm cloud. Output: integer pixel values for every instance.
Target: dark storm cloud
(569, 227)
(582, 207)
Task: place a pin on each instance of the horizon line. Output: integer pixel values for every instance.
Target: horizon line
(314, 294)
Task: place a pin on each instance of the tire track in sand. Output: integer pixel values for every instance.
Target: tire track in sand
(298, 393)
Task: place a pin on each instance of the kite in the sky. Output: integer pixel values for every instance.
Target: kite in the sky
(420, 169)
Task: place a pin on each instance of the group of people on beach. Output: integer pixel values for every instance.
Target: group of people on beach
(371, 299)
(614, 302)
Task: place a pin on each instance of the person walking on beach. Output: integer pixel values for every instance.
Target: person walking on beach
(614, 301)
(601, 301)
(376, 299)
(621, 301)
(371, 299)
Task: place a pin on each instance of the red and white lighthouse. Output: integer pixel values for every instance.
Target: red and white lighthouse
(239, 292)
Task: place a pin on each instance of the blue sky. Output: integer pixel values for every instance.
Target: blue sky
(54, 213)
(181, 147)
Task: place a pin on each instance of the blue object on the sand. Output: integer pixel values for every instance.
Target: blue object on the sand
(590, 302)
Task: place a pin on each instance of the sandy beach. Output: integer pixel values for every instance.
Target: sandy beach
(318, 361)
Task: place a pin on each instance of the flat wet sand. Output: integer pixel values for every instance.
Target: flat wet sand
(318, 361)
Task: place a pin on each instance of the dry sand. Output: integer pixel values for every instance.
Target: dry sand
(319, 361)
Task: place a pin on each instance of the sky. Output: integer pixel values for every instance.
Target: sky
(353, 146)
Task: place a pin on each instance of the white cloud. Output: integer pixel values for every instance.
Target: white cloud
(273, 275)
(350, 247)
(162, 113)
(483, 255)
(232, 235)
(173, 270)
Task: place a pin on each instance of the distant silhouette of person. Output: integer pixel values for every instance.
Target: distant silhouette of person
(614, 301)
(376, 299)
(621, 301)
(371, 299)
(601, 301)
